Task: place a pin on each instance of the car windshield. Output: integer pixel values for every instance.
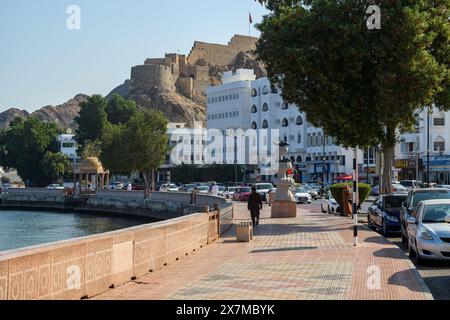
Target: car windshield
(245, 190)
(430, 195)
(173, 186)
(232, 189)
(436, 213)
(301, 190)
(264, 186)
(221, 188)
(190, 186)
(394, 201)
(203, 188)
(406, 183)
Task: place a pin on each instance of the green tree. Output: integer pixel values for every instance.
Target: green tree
(55, 165)
(142, 144)
(361, 86)
(113, 146)
(120, 110)
(27, 146)
(92, 149)
(91, 120)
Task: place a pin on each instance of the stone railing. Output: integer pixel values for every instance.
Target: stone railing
(37, 198)
(88, 266)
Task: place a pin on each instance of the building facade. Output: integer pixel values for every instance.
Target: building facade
(68, 146)
(259, 105)
(431, 133)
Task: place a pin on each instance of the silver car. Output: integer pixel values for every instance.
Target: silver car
(429, 231)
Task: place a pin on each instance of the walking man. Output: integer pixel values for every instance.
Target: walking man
(254, 205)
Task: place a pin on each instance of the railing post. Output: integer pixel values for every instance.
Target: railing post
(217, 209)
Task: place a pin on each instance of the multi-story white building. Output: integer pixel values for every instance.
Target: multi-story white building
(68, 146)
(261, 106)
(431, 131)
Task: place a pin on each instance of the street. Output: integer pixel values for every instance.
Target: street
(435, 273)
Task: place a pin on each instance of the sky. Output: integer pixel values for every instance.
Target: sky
(43, 62)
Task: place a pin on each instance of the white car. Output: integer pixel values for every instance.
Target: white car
(263, 190)
(229, 192)
(429, 231)
(169, 187)
(203, 189)
(302, 196)
(55, 186)
(329, 204)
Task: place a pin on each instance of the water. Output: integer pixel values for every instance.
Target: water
(19, 229)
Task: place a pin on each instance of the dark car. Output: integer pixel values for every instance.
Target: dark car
(385, 213)
(414, 197)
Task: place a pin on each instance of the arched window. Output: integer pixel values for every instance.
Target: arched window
(254, 93)
(439, 144)
(293, 159)
(285, 106)
(265, 107)
(265, 90)
(299, 121)
(265, 124)
(285, 123)
(299, 159)
(273, 89)
(439, 119)
(254, 109)
(254, 125)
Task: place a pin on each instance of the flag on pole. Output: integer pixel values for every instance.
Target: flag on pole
(250, 19)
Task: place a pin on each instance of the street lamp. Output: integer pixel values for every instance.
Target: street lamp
(428, 145)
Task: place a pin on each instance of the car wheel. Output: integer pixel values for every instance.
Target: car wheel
(385, 229)
(369, 223)
(415, 256)
(321, 207)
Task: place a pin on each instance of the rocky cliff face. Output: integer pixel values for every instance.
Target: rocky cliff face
(63, 114)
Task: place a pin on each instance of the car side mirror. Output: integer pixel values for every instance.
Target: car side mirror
(411, 220)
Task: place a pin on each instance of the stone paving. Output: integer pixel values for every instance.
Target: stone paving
(310, 257)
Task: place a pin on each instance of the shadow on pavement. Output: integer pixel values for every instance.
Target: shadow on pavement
(393, 253)
(403, 278)
(283, 249)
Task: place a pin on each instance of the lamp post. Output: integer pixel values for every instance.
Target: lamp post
(428, 146)
(417, 158)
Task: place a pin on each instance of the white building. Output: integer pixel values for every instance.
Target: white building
(415, 145)
(68, 146)
(260, 106)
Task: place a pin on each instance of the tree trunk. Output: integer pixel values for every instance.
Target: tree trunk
(153, 180)
(388, 160)
(147, 185)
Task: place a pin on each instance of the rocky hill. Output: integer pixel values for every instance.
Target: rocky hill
(63, 114)
(174, 84)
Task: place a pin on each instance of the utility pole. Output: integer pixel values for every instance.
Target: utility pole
(417, 159)
(355, 198)
(323, 165)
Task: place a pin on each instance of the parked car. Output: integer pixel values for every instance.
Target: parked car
(55, 186)
(302, 195)
(443, 186)
(414, 197)
(222, 189)
(385, 213)
(229, 192)
(136, 186)
(187, 188)
(242, 193)
(314, 193)
(428, 231)
(159, 184)
(396, 188)
(411, 184)
(263, 189)
(169, 187)
(203, 189)
(116, 186)
(329, 204)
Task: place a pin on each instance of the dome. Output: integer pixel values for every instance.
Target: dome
(91, 165)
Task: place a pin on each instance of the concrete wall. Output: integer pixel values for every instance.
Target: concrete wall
(37, 198)
(88, 266)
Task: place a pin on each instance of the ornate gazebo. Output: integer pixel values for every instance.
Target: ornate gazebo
(90, 176)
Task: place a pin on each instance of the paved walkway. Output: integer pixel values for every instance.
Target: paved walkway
(309, 257)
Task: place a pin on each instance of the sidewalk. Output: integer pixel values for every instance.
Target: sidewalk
(309, 257)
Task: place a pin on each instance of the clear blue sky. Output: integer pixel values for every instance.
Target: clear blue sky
(42, 62)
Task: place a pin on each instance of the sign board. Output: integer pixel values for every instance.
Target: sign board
(319, 168)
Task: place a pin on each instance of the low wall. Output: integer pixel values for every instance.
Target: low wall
(88, 266)
(36, 198)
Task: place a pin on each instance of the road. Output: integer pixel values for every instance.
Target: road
(435, 273)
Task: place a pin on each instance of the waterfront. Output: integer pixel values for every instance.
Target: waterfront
(19, 229)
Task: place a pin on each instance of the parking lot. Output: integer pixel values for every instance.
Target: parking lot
(435, 273)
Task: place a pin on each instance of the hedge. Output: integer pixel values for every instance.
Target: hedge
(337, 190)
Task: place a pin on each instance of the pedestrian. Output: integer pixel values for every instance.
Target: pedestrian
(215, 189)
(129, 187)
(254, 205)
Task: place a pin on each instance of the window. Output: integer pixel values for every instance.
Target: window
(439, 144)
(254, 125)
(265, 107)
(68, 145)
(254, 93)
(439, 120)
(265, 124)
(273, 89)
(285, 122)
(299, 121)
(299, 138)
(299, 159)
(254, 109)
(285, 106)
(265, 90)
